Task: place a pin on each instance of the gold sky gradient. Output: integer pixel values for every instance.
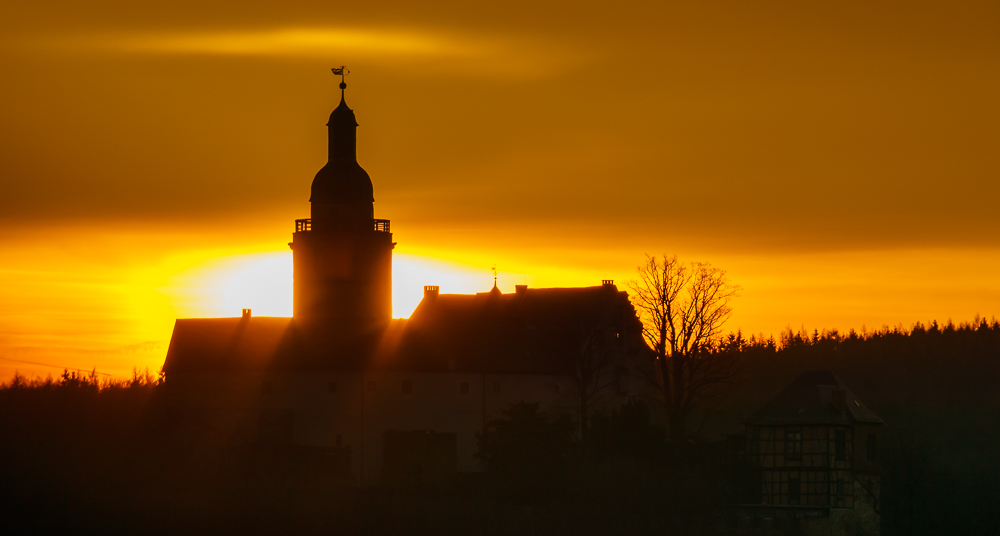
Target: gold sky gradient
(839, 159)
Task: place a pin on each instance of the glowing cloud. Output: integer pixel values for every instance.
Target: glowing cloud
(404, 49)
(307, 42)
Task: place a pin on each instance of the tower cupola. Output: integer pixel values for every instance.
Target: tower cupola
(342, 193)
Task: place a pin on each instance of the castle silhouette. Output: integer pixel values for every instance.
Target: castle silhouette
(387, 400)
(352, 393)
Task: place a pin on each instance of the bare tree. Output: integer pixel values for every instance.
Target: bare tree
(683, 309)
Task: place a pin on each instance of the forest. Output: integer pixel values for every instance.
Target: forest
(83, 454)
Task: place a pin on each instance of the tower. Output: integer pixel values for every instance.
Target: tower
(342, 256)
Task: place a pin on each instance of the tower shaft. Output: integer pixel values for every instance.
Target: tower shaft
(342, 279)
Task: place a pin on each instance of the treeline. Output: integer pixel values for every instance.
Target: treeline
(924, 368)
(929, 363)
(68, 450)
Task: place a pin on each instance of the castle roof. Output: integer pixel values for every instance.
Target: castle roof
(225, 343)
(813, 399)
(534, 330)
(537, 331)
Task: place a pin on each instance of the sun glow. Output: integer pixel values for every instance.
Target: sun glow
(223, 286)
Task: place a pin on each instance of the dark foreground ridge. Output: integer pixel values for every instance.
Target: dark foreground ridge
(81, 457)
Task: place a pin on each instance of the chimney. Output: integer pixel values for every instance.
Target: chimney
(246, 313)
(520, 289)
(431, 291)
(839, 398)
(608, 283)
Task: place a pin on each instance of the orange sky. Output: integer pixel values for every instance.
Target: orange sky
(839, 158)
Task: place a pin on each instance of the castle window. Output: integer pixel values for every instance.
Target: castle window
(333, 387)
(464, 388)
(872, 448)
(621, 386)
(794, 490)
(793, 444)
(407, 387)
(840, 445)
(371, 386)
(266, 388)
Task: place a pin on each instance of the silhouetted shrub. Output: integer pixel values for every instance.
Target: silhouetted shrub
(524, 454)
(627, 432)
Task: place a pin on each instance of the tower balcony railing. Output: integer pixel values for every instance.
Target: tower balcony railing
(305, 225)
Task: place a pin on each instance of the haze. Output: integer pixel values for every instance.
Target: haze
(838, 159)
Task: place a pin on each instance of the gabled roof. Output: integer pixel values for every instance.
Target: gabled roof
(811, 399)
(536, 331)
(221, 343)
(264, 343)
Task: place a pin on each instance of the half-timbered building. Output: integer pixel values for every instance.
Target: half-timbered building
(810, 459)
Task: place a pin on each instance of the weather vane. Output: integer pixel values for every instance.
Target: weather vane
(494, 270)
(343, 72)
